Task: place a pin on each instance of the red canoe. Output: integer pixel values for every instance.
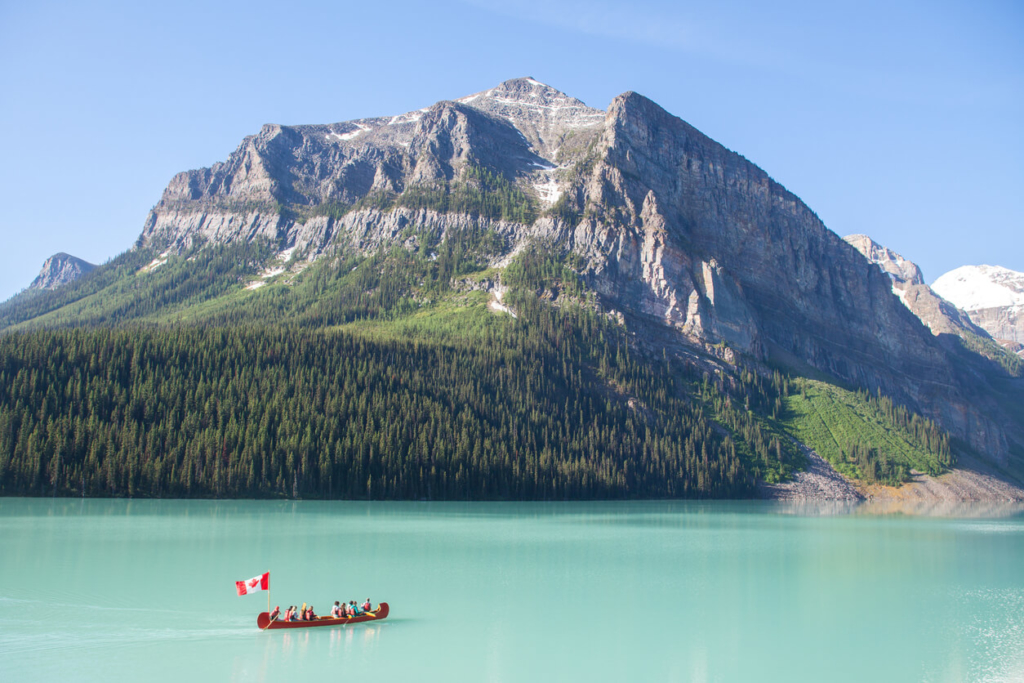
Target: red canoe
(264, 622)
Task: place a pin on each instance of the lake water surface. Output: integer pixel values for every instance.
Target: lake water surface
(99, 590)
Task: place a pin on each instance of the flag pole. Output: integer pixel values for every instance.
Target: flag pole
(268, 593)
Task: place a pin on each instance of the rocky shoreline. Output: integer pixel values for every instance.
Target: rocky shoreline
(969, 490)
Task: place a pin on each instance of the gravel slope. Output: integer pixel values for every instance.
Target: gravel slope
(819, 482)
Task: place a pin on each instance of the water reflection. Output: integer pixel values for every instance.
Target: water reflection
(330, 647)
(417, 514)
(969, 509)
(942, 508)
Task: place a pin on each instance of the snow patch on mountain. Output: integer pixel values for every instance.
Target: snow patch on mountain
(901, 295)
(548, 190)
(411, 117)
(498, 306)
(155, 263)
(345, 137)
(277, 267)
(973, 288)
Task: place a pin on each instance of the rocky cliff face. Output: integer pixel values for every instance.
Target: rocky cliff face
(992, 296)
(60, 269)
(674, 230)
(941, 316)
(664, 205)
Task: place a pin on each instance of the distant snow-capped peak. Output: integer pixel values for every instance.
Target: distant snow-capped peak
(972, 288)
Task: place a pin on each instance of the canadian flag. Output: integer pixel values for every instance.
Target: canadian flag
(257, 583)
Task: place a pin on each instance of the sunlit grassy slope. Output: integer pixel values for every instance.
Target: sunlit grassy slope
(857, 435)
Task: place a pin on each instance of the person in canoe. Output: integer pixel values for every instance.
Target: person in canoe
(310, 614)
(366, 605)
(336, 610)
(276, 613)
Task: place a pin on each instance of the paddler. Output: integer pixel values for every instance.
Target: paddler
(367, 605)
(275, 613)
(336, 610)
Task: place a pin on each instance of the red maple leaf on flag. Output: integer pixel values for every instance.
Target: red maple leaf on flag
(257, 583)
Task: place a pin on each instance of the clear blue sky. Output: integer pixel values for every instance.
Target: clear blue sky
(897, 119)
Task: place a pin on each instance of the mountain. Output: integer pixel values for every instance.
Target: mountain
(992, 296)
(671, 226)
(642, 263)
(60, 269)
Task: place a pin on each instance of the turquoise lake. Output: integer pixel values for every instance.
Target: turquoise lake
(99, 590)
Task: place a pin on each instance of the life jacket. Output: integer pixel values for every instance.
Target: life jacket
(367, 606)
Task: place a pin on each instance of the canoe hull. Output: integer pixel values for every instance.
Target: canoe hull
(264, 622)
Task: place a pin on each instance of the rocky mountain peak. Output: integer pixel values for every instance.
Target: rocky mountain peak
(898, 268)
(526, 90)
(542, 114)
(60, 269)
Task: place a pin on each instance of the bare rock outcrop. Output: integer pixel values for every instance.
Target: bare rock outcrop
(60, 269)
